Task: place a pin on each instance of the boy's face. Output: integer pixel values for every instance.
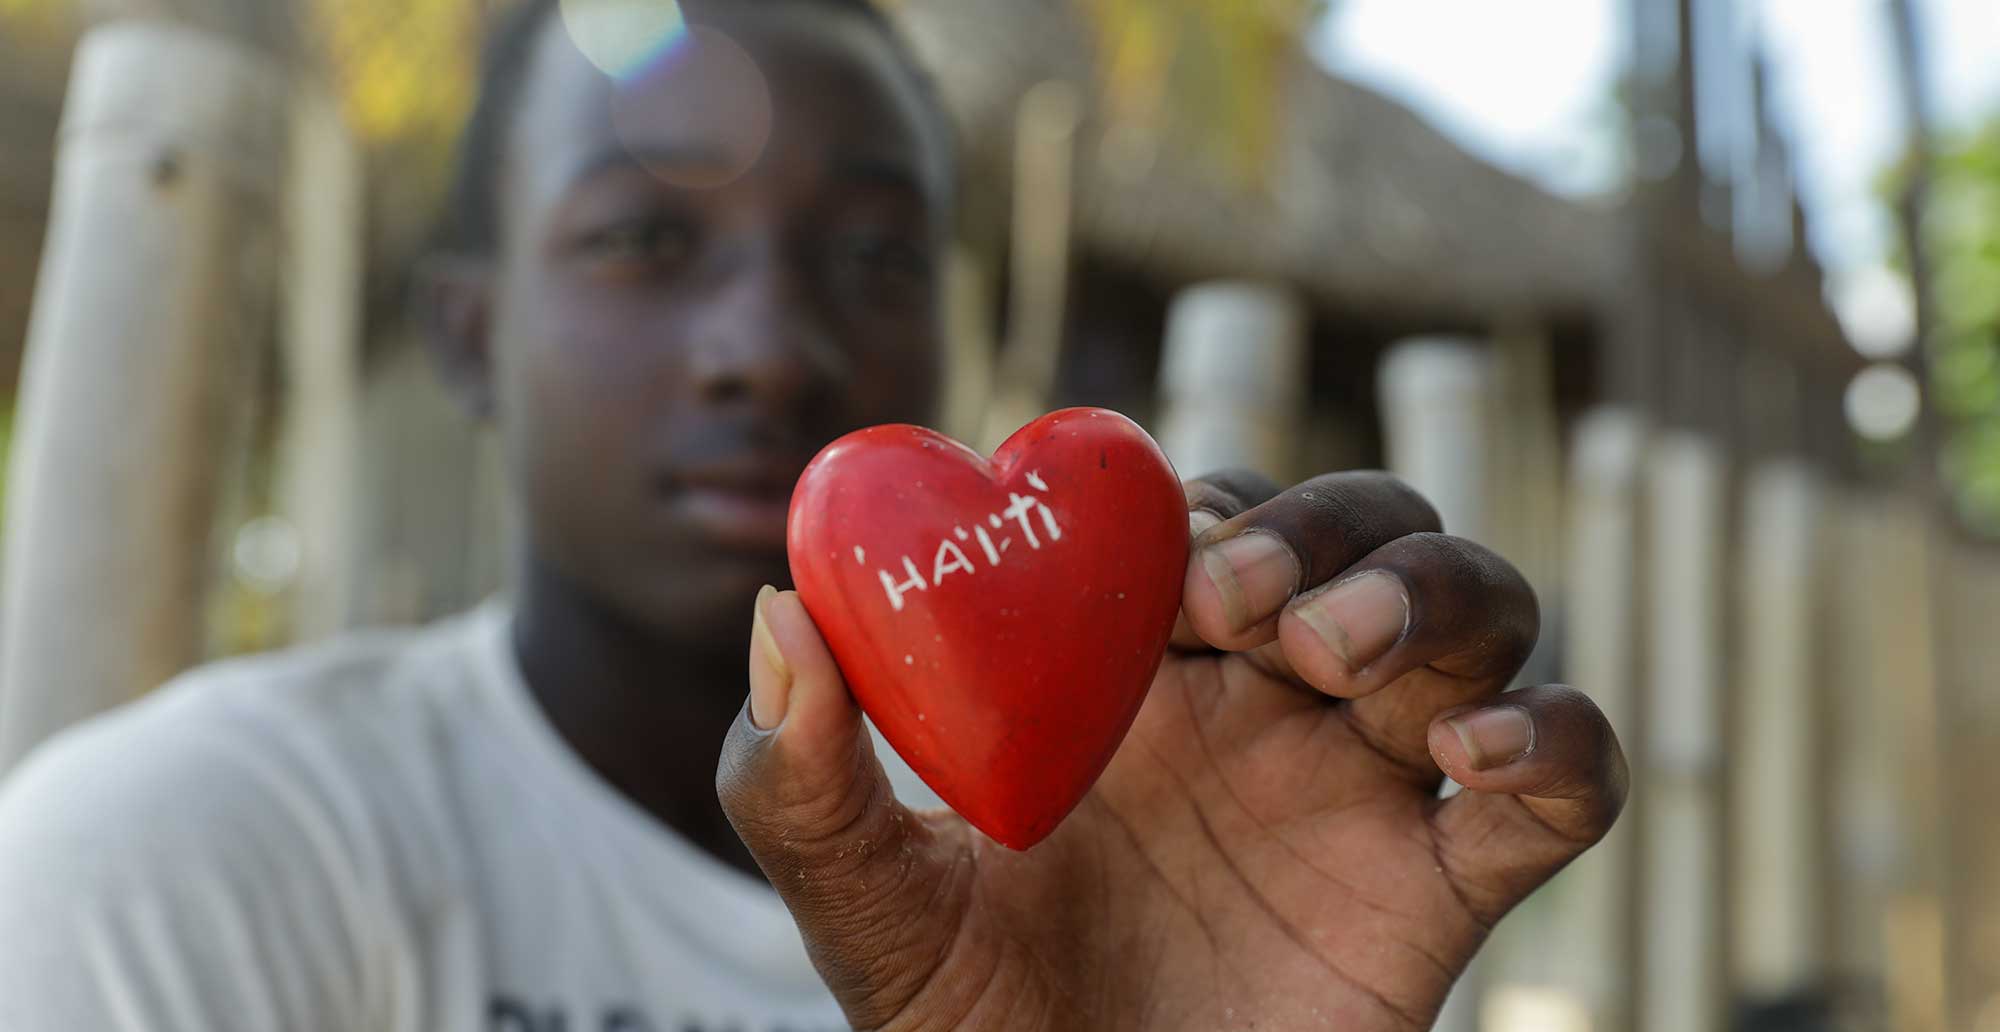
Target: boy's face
(706, 272)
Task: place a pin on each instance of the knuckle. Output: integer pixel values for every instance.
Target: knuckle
(734, 781)
(1594, 762)
(1599, 803)
(1398, 499)
(1230, 492)
(1376, 504)
(1474, 584)
(1596, 815)
(770, 793)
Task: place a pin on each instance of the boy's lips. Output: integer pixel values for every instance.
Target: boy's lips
(735, 520)
(739, 504)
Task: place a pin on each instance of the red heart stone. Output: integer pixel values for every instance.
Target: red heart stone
(999, 621)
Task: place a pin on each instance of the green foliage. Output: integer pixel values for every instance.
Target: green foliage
(1964, 234)
(1206, 75)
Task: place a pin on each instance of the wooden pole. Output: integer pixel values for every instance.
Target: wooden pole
(1233, 377)
(1969, 596)
(1905, 568)
(1777, 841)
(1883, 764)
(1044, 201)
(1682, 975)
(969, 343)
(1437, 402)
(321, 341)
(156, 282)
(1526, 508)
(1600, 616)
(1437, 398)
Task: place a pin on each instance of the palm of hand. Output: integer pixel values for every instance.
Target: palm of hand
(1248, 860)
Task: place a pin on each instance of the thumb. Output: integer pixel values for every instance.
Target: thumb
(877, 891)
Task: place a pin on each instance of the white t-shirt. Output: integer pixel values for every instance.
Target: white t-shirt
(383, 834)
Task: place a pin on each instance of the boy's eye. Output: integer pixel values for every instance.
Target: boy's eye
(886, 261)
(653, 242)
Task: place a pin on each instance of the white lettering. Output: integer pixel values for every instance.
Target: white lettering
(1049, 521)
(951, 558)
(1018, 508)
(940, 567)
(986, 543)
(895, 590)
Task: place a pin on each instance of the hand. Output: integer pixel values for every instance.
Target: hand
(1266, 850)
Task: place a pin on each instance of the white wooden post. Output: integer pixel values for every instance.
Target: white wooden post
(1437, 398)
(1860, 759)
(969, 344)
(1776, 841)
(323, 262)
(1593, 934)
(1045, 130)
(1526, 496)
(1682, 975)
(1437, 410)
(1233, 379)
(158, 276)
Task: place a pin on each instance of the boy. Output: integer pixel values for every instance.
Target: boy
(668, 290)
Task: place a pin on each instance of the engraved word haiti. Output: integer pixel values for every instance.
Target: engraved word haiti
(1022, 511)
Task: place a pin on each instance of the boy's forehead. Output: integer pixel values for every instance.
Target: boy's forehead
(826, 79)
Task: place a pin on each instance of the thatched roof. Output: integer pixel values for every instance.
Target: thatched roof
(1370, 207)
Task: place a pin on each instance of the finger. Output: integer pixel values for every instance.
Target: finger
(1212, 499)
(1245, 570)
(1229, 492)
(1426, 600)
(1450, 611)
(1544, 778)
(874, 888)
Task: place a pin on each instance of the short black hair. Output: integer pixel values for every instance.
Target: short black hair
(471, 223)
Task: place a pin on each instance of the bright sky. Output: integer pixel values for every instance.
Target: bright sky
(1529, 86)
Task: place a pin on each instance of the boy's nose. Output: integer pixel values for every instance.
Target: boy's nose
(763, 342)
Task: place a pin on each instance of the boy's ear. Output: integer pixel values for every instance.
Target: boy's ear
(452, 299)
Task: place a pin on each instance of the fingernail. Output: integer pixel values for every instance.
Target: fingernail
(1495, 737)
(1254, 574)
(769, 696)
(1199, 522)
(1360, 619)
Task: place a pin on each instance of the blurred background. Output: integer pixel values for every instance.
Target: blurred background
(1689, 307)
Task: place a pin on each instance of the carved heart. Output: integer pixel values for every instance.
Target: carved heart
(999, 621)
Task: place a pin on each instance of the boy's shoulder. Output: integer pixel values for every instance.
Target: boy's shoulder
(278, 810)
(318, 742)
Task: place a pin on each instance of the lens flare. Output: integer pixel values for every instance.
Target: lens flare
(697, 115)
(621, 37)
